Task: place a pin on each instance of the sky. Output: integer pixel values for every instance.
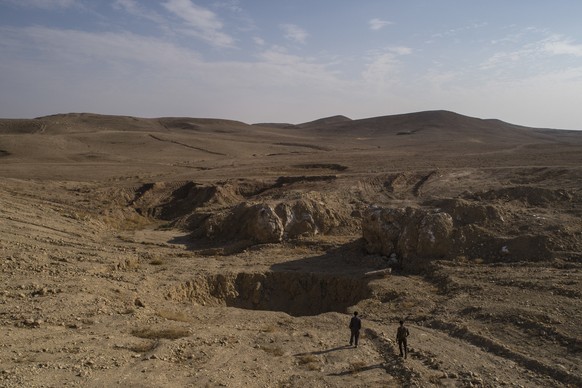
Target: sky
(293, 61)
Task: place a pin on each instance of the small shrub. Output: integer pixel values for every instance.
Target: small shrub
(314, 366)
(144, 347)
(408, 304)
(307, 359)
(127, 264)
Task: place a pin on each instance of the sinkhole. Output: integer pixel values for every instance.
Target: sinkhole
(295, 293)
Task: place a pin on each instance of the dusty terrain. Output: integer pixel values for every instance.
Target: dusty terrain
(183, 252)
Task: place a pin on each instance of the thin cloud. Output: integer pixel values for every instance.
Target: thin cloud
(293, 65)
(562, 47)
(231, 5)
(455, 32)
(259, 41)
(294, 33)
(504, 58)
(377, 24)
(200, 22)
(68, 51)
(74, 47)
(401, 50)
(534, 52)
(384, 67)
(45, 4)
(135, 9)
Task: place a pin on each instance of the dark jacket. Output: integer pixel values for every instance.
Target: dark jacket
(355, 323)
(402, 333)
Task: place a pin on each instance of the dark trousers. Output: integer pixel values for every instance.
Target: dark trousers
(354, 337)
(403, 348)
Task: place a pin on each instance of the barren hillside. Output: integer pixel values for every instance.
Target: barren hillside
(169, 252)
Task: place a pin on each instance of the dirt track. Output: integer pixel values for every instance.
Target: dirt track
(103, 283)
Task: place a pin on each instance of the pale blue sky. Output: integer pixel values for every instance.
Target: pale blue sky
(293, 60)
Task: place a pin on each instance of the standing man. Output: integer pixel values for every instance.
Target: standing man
(401, 335)
(355, 326)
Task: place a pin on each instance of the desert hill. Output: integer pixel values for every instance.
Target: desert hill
(193, 142)
(403, 124)
(177, 251)
(325, 122)
(440, 126)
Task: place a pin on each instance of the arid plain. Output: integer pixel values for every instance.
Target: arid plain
(184, 252)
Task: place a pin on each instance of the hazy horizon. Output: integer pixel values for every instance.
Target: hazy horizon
(292, 62)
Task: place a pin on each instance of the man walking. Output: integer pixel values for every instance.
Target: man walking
(401, 335)
(355, 326)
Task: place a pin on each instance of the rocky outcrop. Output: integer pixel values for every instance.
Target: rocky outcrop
(465, 230)
(256, 222)
(308, 217)
(271, 222)
(407, 232)
(502, 224)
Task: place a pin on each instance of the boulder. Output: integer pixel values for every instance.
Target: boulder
(381, 229)
(262, 224)
(434, 235)
(307, 217)
(407, 232)
(270, 222)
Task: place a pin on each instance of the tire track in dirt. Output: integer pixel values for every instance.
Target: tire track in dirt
(310, 146)
(416, 189)
(394, 365)
(491, 346)
(398, 185)
(32, 226)
(186, 145)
